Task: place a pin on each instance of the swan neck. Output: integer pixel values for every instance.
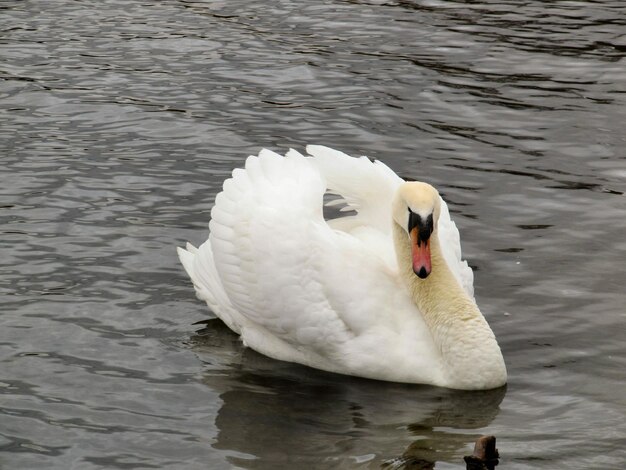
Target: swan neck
(457, 326)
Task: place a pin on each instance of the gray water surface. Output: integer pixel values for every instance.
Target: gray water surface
(120, 119)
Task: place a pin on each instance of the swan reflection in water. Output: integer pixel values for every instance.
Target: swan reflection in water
(282, 415)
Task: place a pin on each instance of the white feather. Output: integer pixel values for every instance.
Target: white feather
(321, 294)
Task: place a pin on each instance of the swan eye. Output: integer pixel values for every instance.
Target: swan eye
(424, 227)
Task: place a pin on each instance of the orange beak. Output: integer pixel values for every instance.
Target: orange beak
(420, 250)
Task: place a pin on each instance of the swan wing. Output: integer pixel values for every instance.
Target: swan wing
(295, 288)
(450, 242)
(365, 186)
(269, 240)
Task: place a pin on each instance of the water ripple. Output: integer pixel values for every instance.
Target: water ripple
(119, 121)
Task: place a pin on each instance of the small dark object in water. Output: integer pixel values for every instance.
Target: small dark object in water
(485, 456)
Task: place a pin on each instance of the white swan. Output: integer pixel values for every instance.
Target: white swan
(382, 293)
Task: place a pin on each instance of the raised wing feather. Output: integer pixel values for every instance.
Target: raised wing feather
(268, 237)
(367, 187)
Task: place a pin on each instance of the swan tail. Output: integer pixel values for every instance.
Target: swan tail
(200, 266)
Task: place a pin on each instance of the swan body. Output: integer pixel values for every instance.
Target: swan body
(381, 293)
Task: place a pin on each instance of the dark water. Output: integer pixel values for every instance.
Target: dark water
(119, 120)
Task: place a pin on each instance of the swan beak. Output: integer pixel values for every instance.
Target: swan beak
(420, 231)
(420, 249)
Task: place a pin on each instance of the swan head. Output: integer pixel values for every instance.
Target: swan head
(416, 208)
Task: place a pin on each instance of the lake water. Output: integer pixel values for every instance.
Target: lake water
(120, 119)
